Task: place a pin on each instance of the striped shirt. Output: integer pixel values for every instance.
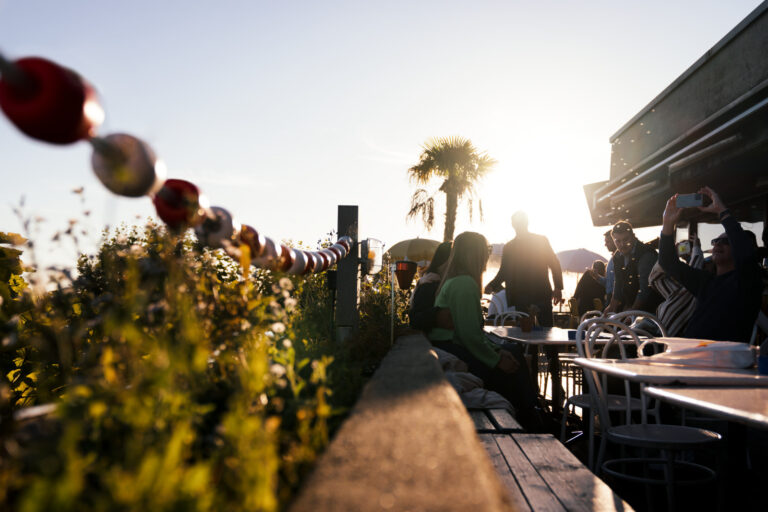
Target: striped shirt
(679, 304)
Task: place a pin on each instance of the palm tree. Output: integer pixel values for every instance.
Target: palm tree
(458, 163)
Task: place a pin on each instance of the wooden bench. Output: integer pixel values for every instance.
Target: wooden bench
(541, 474)
(494, 421)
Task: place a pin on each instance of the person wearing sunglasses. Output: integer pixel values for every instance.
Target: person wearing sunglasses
(729, 300)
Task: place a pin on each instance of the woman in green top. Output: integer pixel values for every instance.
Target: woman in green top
(502, 368)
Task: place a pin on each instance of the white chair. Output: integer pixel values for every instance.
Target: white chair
(630, 318)
(665, 438)
(500, 312)
(614, 402)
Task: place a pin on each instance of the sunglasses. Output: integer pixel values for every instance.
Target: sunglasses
(722, 241)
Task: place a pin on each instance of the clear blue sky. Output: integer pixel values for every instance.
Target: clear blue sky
(282, 110)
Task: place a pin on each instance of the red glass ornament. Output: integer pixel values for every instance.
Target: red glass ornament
(311, 262)
(285, 261)
(50, 102)
(178, 204)
(250, 237)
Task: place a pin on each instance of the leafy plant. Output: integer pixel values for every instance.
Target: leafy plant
(179, 382)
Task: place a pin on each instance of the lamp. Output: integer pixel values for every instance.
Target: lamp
(371, 257)
(404, 271)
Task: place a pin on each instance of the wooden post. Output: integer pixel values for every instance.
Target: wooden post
(348, 276)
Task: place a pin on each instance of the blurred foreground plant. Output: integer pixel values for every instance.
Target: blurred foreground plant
(179, 383)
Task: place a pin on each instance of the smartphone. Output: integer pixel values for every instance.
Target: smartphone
(690, 200)
(684, 248)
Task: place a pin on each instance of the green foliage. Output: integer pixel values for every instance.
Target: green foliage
(179, 383)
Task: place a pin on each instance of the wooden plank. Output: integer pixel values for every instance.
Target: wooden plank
(481, 421)
(504, 473)
(573, 484)
(537, 493)
(504, 421)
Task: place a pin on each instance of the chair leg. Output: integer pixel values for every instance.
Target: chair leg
(592, 442)
(601, 453)
(563, 421)
(669, 474)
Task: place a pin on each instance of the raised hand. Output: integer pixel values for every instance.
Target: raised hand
(716, 206)
(671, 216)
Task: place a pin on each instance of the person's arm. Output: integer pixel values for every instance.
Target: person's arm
(557, 273)
(613, 285)
(697, 255)
(742, 250)
(495, 284)
(610, 277)
(689, 277)
(464, 303)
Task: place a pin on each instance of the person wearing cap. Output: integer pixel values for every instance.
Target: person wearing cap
(632, 263)
(727, 303)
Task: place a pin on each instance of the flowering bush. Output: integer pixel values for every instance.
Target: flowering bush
(179, 383)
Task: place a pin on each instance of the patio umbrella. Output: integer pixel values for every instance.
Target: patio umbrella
(414, 249)
(577, 260)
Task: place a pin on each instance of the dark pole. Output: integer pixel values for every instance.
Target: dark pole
(347, 277)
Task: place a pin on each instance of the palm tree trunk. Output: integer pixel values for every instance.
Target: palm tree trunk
(451, 204)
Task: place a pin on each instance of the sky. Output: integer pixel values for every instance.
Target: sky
(280, 111)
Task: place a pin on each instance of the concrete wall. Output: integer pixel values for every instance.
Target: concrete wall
(408, 445)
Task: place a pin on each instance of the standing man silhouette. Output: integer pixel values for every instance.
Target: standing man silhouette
(526, 262)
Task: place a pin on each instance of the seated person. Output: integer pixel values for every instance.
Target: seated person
(590, 288)
(679, 304)
(502, 368)
(728, 301)
(422, 312)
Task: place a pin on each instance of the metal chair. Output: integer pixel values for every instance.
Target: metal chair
(667, 439)
(631, 317)
(585, 401)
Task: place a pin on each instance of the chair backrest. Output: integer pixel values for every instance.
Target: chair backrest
(593, 313)
(632, 316)
(502, 319)
(586, 340)
(498, 304)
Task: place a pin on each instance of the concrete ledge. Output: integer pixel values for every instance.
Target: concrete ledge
(408, 444)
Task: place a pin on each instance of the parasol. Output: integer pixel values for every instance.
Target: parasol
(414, 249)
(577, 260)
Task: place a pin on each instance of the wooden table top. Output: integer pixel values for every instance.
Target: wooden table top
(661, 374)
(744, 405)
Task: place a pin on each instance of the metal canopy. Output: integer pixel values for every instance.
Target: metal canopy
(709, 127)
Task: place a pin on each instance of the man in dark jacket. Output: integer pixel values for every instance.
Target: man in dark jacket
(525, 265)
(727, 302)
(632, 264)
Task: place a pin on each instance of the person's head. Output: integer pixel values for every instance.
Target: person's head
(609, 242)
(623, 236)
(520, 222)
(599, 267)
(440, 258)
(468, 257)
(721, 253)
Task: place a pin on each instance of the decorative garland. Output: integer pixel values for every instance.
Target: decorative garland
(54, 104)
